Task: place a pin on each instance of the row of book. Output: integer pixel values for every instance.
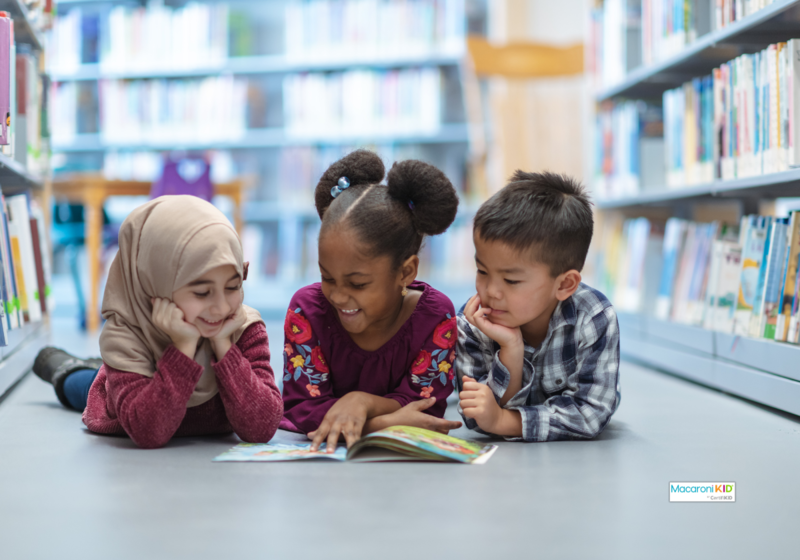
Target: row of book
(288, 251)
(141, 165)
(629, 148)
(25, 278)
(156, 111)
(21, 101)
(354, 29)
(626, 34)
(741, 121)
(359, 103)
(127, 38)
(741, 280)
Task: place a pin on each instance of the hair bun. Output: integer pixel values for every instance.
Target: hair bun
(428, 193)
(360, 167)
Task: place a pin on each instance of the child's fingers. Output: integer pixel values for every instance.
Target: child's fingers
(468, 403)
(444, 426)
(333, 437)
(422, 404)
(471, 385)
(319, 435)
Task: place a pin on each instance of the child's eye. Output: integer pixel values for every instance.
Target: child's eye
(204, 294)
(481, 272)
(327, 280)
(512, 282)
(233, 288)
(358, 286)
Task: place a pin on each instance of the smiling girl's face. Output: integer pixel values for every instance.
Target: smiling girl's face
(364, 290)
(209, 300)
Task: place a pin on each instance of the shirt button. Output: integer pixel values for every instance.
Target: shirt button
(559, 381)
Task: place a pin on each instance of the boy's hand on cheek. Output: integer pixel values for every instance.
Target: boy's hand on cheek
(169, 318)
(478, 402)
(478, 317)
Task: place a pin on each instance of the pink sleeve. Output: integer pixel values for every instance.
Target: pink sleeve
(307, 389)
(247, 386)
(431, 373)
(150, 410)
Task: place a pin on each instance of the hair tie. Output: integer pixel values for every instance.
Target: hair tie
(343, 183)
(411, 205)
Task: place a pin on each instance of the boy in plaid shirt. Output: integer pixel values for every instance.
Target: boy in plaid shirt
(538, 350)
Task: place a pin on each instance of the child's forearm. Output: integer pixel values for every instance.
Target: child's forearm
(508, 423)
(512, 358)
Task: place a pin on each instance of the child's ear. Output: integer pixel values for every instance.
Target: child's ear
(409, 270)
(567, 283)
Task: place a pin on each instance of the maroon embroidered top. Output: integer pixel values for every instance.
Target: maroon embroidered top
(322, 363)
(153, 410)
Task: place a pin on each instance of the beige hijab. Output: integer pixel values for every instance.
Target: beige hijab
(164, 245)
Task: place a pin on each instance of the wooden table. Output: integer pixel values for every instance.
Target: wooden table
(92, 190)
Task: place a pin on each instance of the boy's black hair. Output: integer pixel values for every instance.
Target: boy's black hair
(417, 200)
(545, 213)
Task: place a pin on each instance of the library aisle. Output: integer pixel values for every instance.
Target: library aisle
(72, 494)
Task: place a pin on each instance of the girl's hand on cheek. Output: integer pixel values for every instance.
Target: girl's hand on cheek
(170, 319)
(221, 342)
(347, 418)
(478, 317)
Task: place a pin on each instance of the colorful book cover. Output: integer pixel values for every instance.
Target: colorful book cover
(758, 302)
(712, 287)
(776, 273)
(37, 257)
(6, 39)
(752, 253)
(20, 217)
(398, 443)
(16, 255)
(44, 248)
(784, 311)
(12, 304)
(4, 324)
(730, 269)
(674, 235)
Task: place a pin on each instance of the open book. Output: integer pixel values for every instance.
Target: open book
(398, 443)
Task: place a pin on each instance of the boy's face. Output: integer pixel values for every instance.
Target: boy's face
(518, 289)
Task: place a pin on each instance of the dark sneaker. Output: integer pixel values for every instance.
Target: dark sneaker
(54, 366)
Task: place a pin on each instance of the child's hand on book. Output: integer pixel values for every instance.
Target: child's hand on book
(169, 318)
(412, 415)
(480, 318)
(478, 402)
(345, 418)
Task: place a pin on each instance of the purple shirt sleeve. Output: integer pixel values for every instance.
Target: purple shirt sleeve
(431, 374)
(307, 389)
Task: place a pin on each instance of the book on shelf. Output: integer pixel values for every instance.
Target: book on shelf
(740, 280)
(625, 34)
(6, 51)
(397, 443)
(26, 271)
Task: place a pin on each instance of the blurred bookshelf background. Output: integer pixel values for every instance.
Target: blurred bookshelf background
(272, 92)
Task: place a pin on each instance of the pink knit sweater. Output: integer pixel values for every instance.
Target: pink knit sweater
(153, 410)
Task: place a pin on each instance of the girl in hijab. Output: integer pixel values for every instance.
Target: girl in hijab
(180, 353)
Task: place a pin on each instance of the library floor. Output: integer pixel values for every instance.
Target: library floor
(66, 493)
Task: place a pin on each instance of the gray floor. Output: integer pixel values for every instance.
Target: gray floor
(66, 493)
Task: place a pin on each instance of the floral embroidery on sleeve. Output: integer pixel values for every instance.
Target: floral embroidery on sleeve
(438, 364)
(301, 359)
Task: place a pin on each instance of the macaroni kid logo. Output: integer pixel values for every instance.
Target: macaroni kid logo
(702, 492)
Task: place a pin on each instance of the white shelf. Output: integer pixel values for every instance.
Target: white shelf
(267, 138)
(17, 358)
(273, 64)
(748, 34)
(760, 370)
(772, 185)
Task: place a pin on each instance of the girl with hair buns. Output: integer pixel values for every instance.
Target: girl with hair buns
(370, 347)
(180, 353)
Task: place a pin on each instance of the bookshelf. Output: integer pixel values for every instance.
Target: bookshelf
(268, 139)
(757, 369)
(24, 342)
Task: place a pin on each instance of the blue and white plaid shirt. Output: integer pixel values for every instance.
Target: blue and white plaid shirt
(570, 384)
